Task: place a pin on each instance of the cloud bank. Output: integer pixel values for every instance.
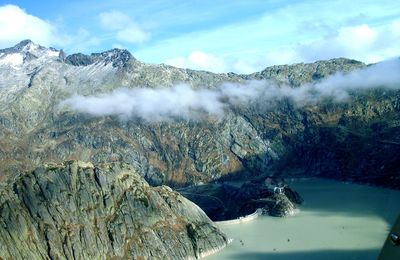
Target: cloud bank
(182, 101)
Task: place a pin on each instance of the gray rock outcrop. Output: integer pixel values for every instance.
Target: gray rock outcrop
(75, 210)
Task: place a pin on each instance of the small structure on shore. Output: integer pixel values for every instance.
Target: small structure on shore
(275, 188)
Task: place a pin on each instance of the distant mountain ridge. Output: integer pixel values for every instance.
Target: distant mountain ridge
(350, 141)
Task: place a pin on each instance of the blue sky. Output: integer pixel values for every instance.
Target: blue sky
(221, 36)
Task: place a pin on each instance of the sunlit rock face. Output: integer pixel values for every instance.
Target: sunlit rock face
(75, 210)
(353, 138)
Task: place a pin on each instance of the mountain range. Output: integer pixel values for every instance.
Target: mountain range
(88, 143)
(356, 138)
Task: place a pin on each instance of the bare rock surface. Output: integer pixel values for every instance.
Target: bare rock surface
(75, 210)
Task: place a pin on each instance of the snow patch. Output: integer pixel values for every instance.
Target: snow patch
(31, 47)
(53, 53)
(13, 59)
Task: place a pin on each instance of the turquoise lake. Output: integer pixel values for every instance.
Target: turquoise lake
(337, 221)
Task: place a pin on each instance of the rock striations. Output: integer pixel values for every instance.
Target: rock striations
(75, 210)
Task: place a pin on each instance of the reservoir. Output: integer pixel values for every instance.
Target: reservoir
(337, 221)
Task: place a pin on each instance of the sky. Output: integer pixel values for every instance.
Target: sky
(240, 36)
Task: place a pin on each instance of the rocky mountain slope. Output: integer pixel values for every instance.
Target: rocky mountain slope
(74, 210)
(356, 140)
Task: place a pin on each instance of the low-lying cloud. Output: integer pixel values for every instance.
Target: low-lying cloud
(183, 101)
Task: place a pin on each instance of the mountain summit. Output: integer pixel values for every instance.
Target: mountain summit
(117, 57)
(27, 50)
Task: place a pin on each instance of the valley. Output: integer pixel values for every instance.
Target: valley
(95, 149)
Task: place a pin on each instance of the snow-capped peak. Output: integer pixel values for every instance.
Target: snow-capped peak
(25, 52)
(26, 45)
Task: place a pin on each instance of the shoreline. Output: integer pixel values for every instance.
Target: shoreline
(242, 219)
(211, 251)
(252, 216)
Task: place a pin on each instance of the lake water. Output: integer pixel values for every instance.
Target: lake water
(337, 221)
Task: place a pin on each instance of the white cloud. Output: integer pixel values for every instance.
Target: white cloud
(360, 42)
(114, 20)
(126, 30)
(81, 41)
(118, 46)
(132, 34)
(204, 60)
(17, 25)
(182, 101)
(200, 61)
(299, 31)
(395, 28)
(354, 38)
(365, 43)
(150, 104)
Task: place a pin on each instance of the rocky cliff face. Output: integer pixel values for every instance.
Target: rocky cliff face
(75, 210)
(226, 201)
(355, 140)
